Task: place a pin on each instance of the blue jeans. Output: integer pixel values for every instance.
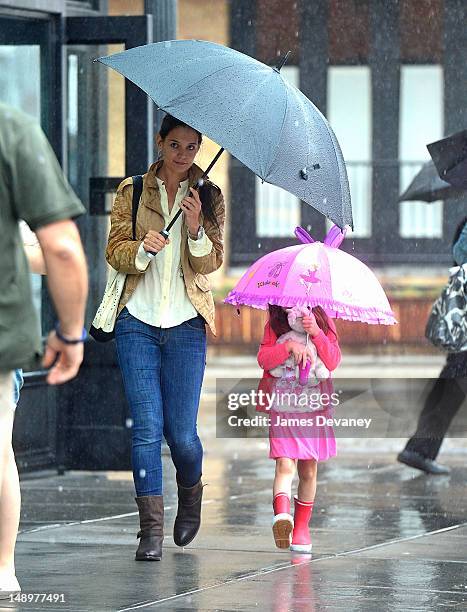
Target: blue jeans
(162, 370)
(17, 384)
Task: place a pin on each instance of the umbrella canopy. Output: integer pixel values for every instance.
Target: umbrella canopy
(249, 109)
(428, 187)
(315, 274)
(450, 157)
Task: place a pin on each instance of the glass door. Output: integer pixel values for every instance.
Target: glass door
(22, 55)
(27, 80)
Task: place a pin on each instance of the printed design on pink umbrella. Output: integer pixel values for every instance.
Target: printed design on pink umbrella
(267, 282)
(309, 279)
(251, 274)
(276, 269)
(274, 272)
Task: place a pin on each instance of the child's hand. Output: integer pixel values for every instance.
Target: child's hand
(310, 325)
(299, 352)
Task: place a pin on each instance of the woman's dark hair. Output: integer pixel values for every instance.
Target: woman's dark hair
(280, 325)
(208, 191)
(169, 123)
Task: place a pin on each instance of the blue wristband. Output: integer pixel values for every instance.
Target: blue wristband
(84, 336)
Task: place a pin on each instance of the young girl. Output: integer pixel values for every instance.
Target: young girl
(288, 445)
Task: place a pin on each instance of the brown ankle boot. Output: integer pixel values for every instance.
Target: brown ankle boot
(151, 534)
(188, 518)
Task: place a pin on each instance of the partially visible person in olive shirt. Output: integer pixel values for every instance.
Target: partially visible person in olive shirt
(33, 188)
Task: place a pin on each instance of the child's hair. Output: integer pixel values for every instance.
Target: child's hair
(280, 325)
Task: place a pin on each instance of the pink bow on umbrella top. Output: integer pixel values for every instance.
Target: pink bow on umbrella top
(315, 274)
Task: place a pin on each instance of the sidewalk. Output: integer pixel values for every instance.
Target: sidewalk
(384, 536)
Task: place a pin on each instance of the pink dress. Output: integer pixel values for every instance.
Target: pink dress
(312, 438)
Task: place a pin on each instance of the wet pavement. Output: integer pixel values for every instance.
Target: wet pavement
(384, 536)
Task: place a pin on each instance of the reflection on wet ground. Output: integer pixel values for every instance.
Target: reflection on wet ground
(383, 537)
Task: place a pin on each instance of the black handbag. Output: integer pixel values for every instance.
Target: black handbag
(447, 324)
(99, 334)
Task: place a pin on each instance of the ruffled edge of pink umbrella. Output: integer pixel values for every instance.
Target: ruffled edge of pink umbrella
(335, 310)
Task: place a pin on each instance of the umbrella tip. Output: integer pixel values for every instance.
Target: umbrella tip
(282, 62)
(335, 236)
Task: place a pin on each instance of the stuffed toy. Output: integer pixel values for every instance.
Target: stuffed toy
(315, 369)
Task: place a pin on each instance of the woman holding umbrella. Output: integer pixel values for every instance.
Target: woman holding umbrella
(160, 330)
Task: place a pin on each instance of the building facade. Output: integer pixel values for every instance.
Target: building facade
(390, 75)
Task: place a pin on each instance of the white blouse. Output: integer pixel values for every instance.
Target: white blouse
(160, 298)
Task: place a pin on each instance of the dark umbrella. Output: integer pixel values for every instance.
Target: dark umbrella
(428, 187)
(450, 157)
(249, 109)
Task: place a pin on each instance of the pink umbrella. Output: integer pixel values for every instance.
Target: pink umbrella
(315, 274)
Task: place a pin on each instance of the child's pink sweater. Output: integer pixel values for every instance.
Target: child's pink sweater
(271, 355)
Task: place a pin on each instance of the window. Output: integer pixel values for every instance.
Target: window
(277, 211)
(421, 122)
(349, 113)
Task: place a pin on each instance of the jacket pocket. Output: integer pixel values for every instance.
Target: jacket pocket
(202, 282)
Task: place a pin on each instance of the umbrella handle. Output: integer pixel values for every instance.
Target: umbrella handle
(304, 371)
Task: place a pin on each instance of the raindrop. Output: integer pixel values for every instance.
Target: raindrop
(308, 228)
(41, 159)
(325, 200)
(142, 473)
(259, 245)
(296, 123)
(129, 423)
(239, 480)
(249, 22)
(60, 489)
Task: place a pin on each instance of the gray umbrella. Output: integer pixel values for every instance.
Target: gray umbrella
(249, 109)
(450, 158)
(428, 187)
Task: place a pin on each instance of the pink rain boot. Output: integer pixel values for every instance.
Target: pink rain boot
(301, 541)
(282, 524)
